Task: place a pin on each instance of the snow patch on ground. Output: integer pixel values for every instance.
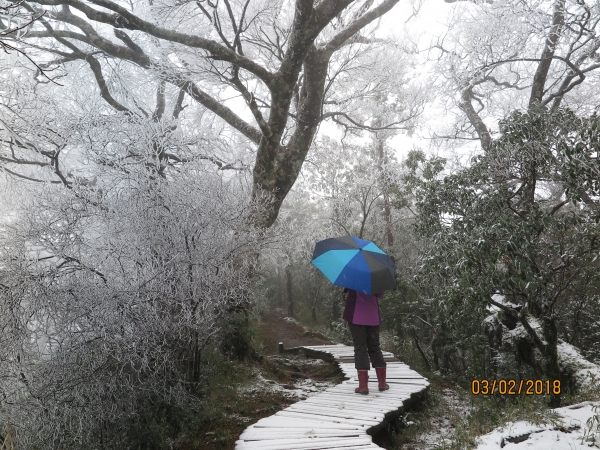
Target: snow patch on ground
(313, 362)
(576, 429)
(300, 390)
(444, 425)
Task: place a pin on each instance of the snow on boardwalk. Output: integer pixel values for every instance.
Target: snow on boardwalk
(337, 418)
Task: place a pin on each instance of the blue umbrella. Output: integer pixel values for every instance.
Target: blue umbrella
(356, 264)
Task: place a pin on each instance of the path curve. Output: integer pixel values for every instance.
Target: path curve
(337, 418)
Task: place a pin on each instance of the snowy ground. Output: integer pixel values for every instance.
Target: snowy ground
(444, 425)
(300, 390)
(576, 429)
(577, 426)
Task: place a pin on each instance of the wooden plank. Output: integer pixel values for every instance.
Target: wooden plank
(342, 413)
(395, 364)
(400, 375)
(367, 409)
(284, 422)
(373, 397)
(344, 403)
(252, 434)
(370, 446)
(315, 444)
(303, 444)
(397, 397)
(413, 383)
(406, 385)
(334, 398)
(392, 370)
(303, 414)
(395, 383)
(374, 417)
(407, 378)
(390, 393)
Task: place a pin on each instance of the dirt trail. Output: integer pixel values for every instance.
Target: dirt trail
(276, 327)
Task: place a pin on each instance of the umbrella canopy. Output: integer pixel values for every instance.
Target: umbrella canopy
(356, 264)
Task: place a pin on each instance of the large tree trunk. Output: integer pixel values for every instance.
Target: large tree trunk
(541, 74)
(278, 166)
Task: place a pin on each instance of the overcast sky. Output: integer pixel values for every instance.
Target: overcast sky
(421, 28)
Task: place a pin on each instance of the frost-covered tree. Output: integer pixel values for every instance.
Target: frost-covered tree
(500, 56)
(352, 182)
(289, 64)
(495, 59)
(14, 21)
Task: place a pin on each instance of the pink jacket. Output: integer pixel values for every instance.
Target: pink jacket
(362, 309)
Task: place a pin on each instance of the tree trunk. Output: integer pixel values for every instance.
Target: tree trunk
(335, 308)
(278, 166)
(423, 355)
(288, 285)
(434, 350)
(384, 187)
(541, 74)
(280, 289)
(551, 366)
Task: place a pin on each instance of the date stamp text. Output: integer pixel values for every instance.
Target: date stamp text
(515, 387)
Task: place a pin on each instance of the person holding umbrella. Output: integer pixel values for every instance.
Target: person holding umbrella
(362, 315)
(365, 271)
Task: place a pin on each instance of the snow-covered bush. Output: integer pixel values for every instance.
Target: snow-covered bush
(108, 296)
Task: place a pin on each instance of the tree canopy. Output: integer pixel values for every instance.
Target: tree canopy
(294, 64)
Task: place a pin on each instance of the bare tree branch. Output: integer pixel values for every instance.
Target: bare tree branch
(125, 19)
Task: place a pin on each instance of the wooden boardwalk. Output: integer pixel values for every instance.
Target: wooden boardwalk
(337, 418)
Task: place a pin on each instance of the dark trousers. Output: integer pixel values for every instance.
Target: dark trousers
(366, 346)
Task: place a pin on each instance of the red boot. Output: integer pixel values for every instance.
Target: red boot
(383, 386)
(363, 382)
